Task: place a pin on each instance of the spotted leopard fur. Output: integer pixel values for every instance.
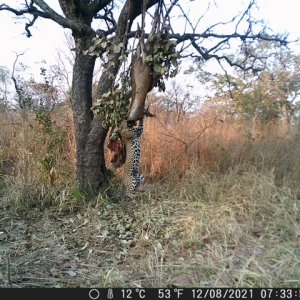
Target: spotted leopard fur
(131, 136)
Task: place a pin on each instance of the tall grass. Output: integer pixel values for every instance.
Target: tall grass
(217, 143)
(34, 157)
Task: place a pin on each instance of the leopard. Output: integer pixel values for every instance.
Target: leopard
(131, 135)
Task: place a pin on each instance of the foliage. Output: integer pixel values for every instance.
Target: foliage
(37, 101)
(100, 45)
(178, 102)
(113, 105)
(163, 58)
(270, 94)
(4, 82)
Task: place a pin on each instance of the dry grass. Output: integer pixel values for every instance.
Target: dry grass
(217, 143)
(33, 161)
(221, 209)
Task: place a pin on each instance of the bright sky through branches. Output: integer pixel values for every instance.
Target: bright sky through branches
(281, 16)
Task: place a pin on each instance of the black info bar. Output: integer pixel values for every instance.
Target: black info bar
(150, 293)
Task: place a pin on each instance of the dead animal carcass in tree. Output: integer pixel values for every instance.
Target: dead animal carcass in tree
(153, 62)
(142, 81)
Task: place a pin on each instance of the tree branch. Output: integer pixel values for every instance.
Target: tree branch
(16, 84)
(27, 25)
(48, 13)
(75, 25)
(98, 5)
(261, 36)
(109, 20)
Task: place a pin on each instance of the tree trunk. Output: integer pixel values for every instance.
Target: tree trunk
(94, 168)
(89, 134)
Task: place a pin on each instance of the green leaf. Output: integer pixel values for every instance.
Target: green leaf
(106, 95)
(148, 58)
(98, 41)
(103, 45)
(91, 49)
(117, 49)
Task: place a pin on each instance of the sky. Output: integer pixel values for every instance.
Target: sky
(48, 37)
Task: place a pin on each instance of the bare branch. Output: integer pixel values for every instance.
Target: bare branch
(202, 16)
(48, 13)
(27, 25)
(28, 10)
(167, 15)
(207, 56)
(98, 5)
(109, 20)
(261, 36)
(188, 21)
(199, 134)
(16, 84)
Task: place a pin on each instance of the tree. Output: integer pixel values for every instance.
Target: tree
(4, 80)
(151, 62)
(175, 104)
(268, 95)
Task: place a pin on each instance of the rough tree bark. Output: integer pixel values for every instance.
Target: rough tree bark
(82, 114)
(89, 139)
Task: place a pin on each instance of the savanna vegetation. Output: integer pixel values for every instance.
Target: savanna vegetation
(221, 202)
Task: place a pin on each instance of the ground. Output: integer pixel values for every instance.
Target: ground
(238, 229)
